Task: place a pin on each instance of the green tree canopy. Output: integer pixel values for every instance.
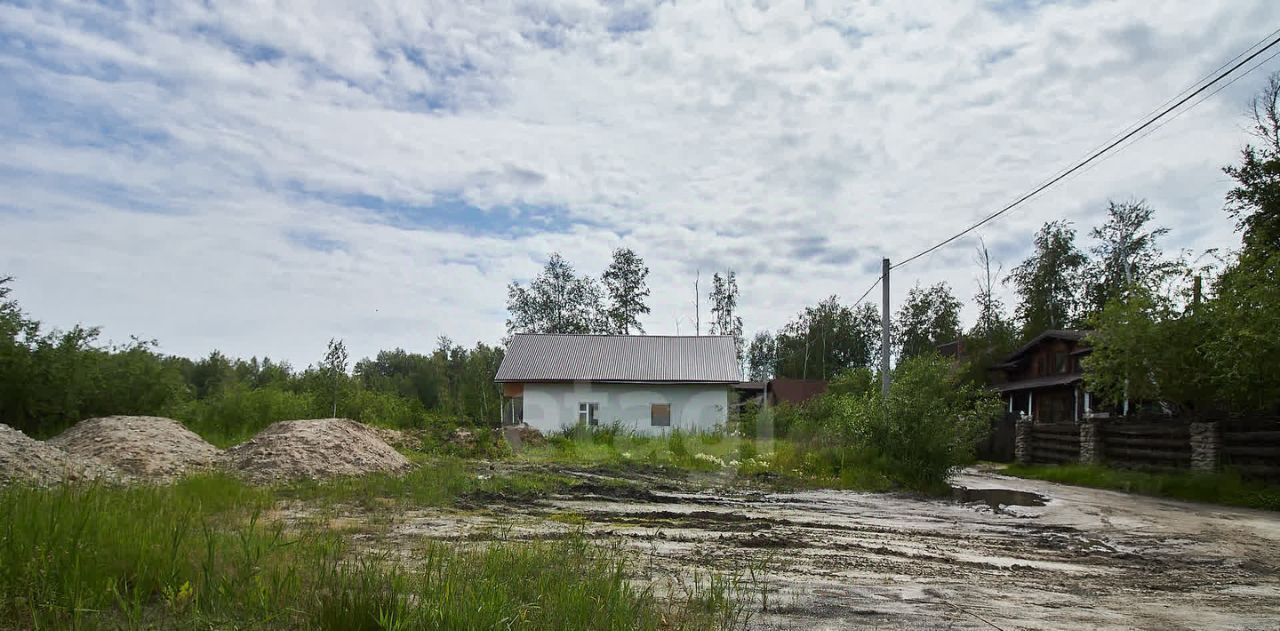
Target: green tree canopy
(1255, 201)
(624, 280)
(556, 301)
(1048, 282)
(929, 317)
(1126, 255)
(762, 356)
(827, 338)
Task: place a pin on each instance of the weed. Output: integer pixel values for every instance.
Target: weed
(676, 444)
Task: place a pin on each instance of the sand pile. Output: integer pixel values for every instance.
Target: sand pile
(148, 448)
(28, 460)
(313, 449)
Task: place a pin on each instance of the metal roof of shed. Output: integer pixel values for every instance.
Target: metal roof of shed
(620, 358)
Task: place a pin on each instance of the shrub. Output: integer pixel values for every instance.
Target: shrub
(237, 412)
(926, 428)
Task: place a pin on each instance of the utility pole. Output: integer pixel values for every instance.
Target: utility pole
(884, 329)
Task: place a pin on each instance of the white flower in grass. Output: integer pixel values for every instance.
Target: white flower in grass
(708, 458)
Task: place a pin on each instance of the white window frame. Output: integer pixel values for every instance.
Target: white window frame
(589, 413)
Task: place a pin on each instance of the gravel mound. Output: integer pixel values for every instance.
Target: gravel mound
(149, 448)
(313, 449)
(23, 459)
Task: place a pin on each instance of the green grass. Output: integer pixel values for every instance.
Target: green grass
(437, 481)
(617, 447)
(1225, 488)
(201, 554)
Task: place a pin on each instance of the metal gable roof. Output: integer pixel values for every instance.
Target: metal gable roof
(623, 358)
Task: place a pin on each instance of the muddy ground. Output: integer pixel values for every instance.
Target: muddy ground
(1082, 558)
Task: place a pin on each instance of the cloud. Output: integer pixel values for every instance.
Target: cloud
(258, 179)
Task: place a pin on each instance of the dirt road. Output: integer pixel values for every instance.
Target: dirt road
(842, 560)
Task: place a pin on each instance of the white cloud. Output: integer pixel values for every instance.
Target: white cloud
(166, 170)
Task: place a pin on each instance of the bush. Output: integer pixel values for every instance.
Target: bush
(237, 412)
(384, 408)
(928, 426)
(914, 439)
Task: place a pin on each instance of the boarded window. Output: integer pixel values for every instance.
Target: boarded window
(589, 413)
(660, 414)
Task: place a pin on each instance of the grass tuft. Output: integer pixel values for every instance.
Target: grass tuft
(1226, 488)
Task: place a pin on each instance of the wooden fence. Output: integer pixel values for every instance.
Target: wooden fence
(1251, 447)
(1145, 445)
(1248, 446)
(1055, 443)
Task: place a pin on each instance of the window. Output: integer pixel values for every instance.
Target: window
(660, 415)
(589, 414)
(1060, 362)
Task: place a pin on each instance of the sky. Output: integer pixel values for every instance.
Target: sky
(259, 177)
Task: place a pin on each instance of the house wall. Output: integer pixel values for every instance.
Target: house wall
(1040, 362)
(550, 406)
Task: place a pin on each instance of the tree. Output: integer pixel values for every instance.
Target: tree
(929, 317)
(1144, 349)
(1126, 255)
(1243, 319)
(1255, 201)
(762, 356)
(557, 301)
(625, 282)
(826, 339)
(992, 334)
(1048, 281)
(724, 309)
(335, 367)
(991, 323)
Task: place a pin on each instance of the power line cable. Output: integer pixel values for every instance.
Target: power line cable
(868, 291)
(1090, 159)
(1182, 111)
(1178, 95)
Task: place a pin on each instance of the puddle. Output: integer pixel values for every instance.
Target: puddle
(997, 499)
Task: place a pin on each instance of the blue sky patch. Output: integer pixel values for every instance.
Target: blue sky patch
(452, 213)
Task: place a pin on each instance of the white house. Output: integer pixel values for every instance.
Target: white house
(650, 383)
